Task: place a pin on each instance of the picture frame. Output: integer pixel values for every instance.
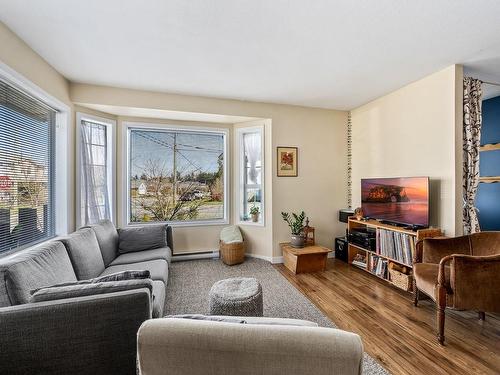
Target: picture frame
(287, 161)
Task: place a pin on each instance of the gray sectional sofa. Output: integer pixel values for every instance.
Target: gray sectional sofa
(85, 334)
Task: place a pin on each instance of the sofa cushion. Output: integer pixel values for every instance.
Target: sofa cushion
(142, 238)
(89, 289)
(159, 294)
(35, 268)
(84, 252)
(107, 237)
(158, 269)
(143, 256)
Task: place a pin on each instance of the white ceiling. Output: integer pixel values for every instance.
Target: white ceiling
(322, 53)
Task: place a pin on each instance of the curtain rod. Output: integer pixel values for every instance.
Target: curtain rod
(491, 83)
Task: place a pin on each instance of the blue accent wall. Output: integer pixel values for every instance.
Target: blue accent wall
(488, 196)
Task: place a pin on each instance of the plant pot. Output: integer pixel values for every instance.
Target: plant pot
(297, 241)
(255, 218)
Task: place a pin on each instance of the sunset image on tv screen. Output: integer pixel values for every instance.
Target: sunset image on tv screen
(399, 200)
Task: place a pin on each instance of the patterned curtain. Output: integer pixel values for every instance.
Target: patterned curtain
(471, 143)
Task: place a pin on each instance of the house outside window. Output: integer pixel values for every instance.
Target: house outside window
(176, 175)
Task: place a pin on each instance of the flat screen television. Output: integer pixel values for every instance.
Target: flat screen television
(400, 200)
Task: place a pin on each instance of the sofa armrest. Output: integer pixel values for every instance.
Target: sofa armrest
(194, 347)
(85, 335)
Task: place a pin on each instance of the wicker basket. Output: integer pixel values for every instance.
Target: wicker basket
(401, 280)
(232, 253)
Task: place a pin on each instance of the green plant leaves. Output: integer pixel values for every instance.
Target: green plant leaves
(295, 222)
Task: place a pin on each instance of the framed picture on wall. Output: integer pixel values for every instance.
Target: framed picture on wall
(287, 161)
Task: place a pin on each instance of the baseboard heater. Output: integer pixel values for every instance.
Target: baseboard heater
(201, 255)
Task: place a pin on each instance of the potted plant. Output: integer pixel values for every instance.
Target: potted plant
(254, 212)
(296, 224)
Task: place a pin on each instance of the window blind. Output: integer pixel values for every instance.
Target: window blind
(27, 153)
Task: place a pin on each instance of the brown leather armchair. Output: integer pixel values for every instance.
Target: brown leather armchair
(462, 273)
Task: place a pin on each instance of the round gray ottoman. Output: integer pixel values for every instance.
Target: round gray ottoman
(240, 296)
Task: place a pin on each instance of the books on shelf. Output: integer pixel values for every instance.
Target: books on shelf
(359, 261)
(396, 245)
(378, 266)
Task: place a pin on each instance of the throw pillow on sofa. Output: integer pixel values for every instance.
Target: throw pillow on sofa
(89, 289)
(118, 276)
(142, 238)
(123, 275)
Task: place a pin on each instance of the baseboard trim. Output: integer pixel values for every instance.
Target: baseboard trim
(273, 260)
(216, 254)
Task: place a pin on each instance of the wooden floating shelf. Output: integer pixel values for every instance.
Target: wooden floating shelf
(489, 179)
(490, 147)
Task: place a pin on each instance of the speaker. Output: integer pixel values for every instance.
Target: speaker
(341, 248)
(344, 215)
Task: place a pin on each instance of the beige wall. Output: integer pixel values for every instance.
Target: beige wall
(20, 57)
(414, 132)
(319, 134)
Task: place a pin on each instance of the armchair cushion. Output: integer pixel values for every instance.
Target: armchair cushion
(142, 238)
(426, 277)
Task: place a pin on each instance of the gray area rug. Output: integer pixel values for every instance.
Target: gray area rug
(190, 282)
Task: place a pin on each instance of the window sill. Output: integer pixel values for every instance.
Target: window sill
(251, 223)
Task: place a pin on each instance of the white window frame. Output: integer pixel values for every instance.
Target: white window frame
(62, 167)
(240, 132)
(111, 167)
(127, 127)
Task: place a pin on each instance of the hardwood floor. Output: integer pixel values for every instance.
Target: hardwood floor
(400, 336)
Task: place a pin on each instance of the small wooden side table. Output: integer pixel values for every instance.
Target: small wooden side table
(308, 259)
